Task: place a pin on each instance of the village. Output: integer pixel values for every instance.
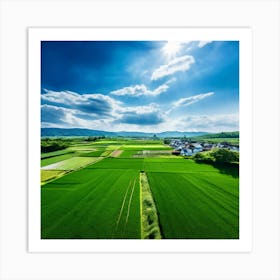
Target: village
(188, 148)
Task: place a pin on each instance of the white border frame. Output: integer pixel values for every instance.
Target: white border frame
(243, 35)
(263, 260)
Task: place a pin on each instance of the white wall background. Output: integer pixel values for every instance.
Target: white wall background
(263, 16)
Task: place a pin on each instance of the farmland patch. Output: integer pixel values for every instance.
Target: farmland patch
(81, 209)
(152, 153)
(55, 159)
(93, 154)
(56, 153)
(73, 163)
(193, 208)
(146, 147)
(128, 153)
(118, 163)
(116, 153)
(176, 165)
(47, 175)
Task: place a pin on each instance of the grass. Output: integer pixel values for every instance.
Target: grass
(47, 175)
(175, 165)
(56, 153)
(118, 163)
(196, 205)
(149, 218)
(233, 141)
(101, 199)
(106, 153)
(55, 159)
(73, 163)
(113, 147)
(83, 148)
(146, 147)
(93, 154)
(75, 206)
(152, 153)
(128, 153)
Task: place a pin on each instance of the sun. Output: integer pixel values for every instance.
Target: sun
(171, 48)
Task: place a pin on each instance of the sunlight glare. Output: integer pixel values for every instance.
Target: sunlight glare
(171, 48)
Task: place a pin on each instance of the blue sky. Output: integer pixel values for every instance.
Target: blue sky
(148, 86)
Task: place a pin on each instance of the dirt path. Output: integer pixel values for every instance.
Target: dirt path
(116, 153)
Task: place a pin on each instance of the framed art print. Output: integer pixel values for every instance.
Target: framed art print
(140, 139)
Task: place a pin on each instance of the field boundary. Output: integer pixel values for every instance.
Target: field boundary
(150, 228)
(66, 172)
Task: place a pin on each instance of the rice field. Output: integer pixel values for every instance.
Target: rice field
(92, 204)
(72, 163)
(94, 192)
(192, 206)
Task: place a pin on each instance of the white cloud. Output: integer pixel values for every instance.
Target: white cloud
(179, 64)
(201, 44)
(66, 97)
(142, 115)
(55, 116)
(211, 123)
(96, 103)
(58, 115)
(139, 90)
(200, 123)
(172, 80)
(183, 102)
(95, 111)
(140, 109)
(131, 90)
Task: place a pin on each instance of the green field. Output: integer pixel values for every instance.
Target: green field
(176, 165)
(47, 175)
(72, 163)
(56, 153)
(118, 163)
(92, 204)
(91, 194)
(192, 206)
(128, 153)
(93, 154)
(55, 159)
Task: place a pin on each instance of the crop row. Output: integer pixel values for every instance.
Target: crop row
(102, 200)
(191, 206)
(88, 203)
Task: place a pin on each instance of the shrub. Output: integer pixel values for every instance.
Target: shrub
(225, 156)
(53, 145)
(203, 157)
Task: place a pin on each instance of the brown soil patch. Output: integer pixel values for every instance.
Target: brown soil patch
(116, 153)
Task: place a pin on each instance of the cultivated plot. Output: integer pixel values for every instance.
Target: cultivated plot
(92, 204)
(118, 163)
(176, 165)
(103, 199)
(196, 205)
(73, 163)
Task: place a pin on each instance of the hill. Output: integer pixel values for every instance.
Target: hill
(66, 132)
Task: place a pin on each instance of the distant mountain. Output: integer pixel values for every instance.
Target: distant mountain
(50, 131)
(168, 134)
(232, 134)
(60, 132)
